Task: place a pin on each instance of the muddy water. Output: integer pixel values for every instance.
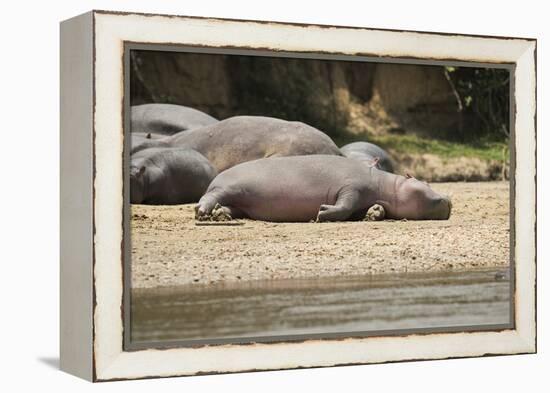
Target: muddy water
(320, 306)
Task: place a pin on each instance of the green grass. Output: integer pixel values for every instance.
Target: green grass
(417, 145)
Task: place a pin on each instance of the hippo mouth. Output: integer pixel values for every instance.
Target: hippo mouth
(443, 208)
(438, 209)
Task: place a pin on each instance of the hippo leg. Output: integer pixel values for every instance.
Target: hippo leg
(346, 203)
(375, 213)
(210, 208)
(205, 206)
(226, 213)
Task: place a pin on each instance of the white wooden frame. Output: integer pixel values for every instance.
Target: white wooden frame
(92, 142)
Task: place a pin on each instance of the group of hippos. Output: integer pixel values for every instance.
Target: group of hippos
(263, 168)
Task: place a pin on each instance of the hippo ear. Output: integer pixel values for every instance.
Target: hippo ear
(148, 136)
(375, 162)
(141, 171)
(408, 176)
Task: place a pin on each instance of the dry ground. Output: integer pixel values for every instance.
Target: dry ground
(169, 249)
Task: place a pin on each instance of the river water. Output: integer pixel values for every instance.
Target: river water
(320, 306)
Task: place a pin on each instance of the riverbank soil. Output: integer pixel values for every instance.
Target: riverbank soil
(169, 249)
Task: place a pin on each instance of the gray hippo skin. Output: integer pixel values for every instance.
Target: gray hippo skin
(327, 188)
(139, 138)
(169, 176)
(369, 152)
(167, 119)
(245, 138)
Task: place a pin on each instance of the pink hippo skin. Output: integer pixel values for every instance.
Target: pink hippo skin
(318, 187)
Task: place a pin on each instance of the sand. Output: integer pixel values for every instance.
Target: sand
(168, 249)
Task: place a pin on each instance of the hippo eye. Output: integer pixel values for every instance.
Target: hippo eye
(419, 190)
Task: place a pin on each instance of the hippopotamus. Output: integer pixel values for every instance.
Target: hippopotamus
(167, 119)
(169, 176)
(318, 187)
(245, 138)
(138, 138)
(369, 153)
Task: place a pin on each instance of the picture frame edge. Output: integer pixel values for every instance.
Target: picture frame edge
(98, 364)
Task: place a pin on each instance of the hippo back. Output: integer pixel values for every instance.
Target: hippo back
(139, 142)
(366, 151)
(167, 119)
(174, 176)
(245, 138)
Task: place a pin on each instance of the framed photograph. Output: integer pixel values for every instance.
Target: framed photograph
(246, 195)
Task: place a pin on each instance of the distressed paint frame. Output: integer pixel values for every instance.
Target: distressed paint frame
(102, 356)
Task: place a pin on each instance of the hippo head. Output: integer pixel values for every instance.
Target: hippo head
(415, 200)
(137, 184)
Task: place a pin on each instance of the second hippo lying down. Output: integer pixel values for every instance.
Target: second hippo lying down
(139, 138)
(370, 153)
(326, 188)
(169, 176)
(167, 119)
(245, 138)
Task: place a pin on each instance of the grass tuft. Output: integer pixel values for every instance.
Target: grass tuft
(413, 144)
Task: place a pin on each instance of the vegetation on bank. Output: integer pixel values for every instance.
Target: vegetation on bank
(413, 144)
(484, 93)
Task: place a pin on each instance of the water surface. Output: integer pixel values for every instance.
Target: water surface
(320, 306)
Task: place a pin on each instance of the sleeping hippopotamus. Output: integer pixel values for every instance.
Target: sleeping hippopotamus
(245, 138)
(138, 138)
(326, 188)
(370, 153)
(167, 119)
(169, 176)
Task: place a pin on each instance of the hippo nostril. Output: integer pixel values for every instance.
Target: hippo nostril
(449, 207)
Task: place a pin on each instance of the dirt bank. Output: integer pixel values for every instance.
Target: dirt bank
(433, 168)
(169, 249)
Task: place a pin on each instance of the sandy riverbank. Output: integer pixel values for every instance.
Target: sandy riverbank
(169, 249)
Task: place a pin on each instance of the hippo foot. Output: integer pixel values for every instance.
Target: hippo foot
(375, 213)
(200, 215)
(218, 213)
